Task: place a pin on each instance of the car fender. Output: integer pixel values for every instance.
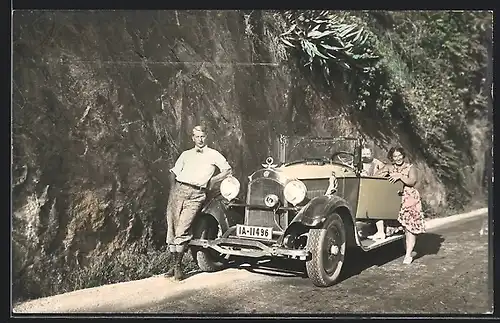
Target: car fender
(316, 211)
(225, 216)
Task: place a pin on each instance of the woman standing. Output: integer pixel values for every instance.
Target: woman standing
(410, 216)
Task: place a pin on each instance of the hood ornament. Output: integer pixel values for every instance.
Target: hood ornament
(269, 163)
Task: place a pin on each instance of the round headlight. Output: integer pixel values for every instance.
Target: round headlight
(295, 192)
(230, 187)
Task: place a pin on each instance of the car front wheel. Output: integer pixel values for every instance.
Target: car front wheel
(327, 246)
(208, 260)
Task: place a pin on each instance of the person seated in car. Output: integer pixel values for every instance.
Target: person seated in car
(372, 166)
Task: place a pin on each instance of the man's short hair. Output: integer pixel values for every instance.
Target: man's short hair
(368, 143)
(199, 128)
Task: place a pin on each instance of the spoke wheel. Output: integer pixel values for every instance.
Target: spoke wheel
(327, 246)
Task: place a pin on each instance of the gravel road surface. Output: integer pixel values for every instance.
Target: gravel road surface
(449, 275)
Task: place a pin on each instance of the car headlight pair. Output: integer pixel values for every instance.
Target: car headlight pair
(295, 190)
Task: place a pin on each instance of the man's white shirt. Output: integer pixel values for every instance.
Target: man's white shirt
(196, 168)
(369, 169)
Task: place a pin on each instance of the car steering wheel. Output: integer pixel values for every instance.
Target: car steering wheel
(344, 157)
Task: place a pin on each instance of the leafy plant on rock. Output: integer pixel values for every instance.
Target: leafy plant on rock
(340, 49)
(419, 68)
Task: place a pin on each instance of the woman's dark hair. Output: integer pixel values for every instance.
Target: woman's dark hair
(393, 150)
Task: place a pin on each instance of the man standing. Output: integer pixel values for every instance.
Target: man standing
(190, 178)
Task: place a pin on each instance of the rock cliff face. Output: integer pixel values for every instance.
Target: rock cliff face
(104, 102)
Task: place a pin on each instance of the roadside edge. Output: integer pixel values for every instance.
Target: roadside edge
(437, 222)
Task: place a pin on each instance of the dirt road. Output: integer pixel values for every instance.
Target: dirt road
(449, 275)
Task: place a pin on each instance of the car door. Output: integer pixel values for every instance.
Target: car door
(378, 198)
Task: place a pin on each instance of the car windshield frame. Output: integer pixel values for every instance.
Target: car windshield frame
(288, 146)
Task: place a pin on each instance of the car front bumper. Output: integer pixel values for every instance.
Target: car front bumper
(249, 248)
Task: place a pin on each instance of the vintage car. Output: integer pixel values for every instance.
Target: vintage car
(311, 203)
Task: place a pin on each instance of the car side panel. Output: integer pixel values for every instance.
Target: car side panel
(316, 187)
(378, 198)
(350, 192)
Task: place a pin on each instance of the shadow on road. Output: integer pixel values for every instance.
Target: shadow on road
(278, 268)
(192, 273)
(356, 260)
(428, 244)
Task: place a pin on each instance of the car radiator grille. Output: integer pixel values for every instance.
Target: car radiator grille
(257, 191)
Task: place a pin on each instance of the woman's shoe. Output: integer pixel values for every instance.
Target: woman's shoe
(377, 236)
(407, 260)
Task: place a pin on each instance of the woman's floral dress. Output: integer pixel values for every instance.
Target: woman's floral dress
(410, 216)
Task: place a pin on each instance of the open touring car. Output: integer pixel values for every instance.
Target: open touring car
(310, 203)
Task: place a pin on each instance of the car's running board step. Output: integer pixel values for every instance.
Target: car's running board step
(369, 244)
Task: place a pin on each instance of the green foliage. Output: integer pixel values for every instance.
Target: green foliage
(424, 69)
(329, 38)
(342, 50)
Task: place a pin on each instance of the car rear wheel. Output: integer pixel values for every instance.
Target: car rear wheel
(208, 260)
(327, 246)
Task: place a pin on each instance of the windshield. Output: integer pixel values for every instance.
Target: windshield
(303, 148)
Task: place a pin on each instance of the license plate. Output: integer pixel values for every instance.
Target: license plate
(254, 232)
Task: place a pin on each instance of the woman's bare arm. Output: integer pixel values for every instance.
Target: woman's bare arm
(412, 177)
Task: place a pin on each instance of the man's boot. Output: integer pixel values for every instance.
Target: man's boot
(178, 274)
(171, 271)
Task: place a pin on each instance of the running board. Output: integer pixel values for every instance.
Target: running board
(369, 244)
